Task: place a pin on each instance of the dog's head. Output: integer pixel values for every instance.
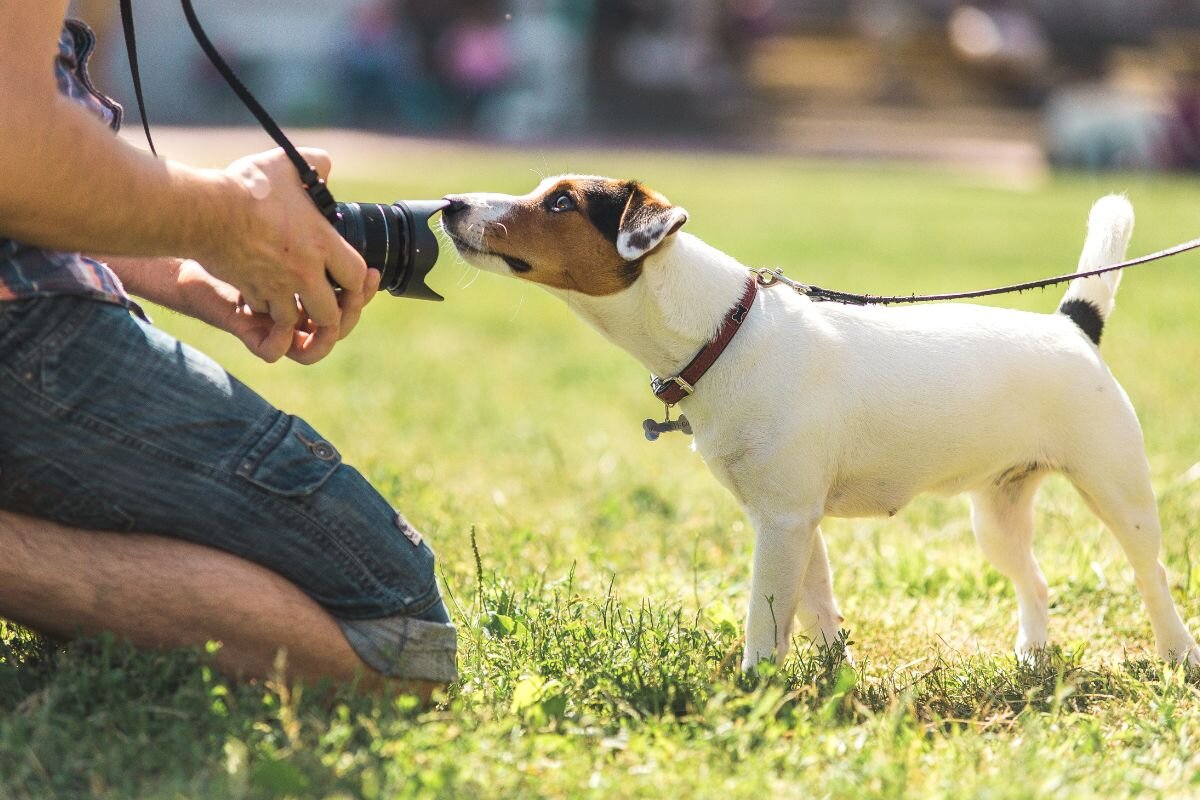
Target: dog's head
(579, 233)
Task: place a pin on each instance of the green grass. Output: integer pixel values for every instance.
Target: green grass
(599, 633)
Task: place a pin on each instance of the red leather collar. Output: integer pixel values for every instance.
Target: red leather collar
(672, 390)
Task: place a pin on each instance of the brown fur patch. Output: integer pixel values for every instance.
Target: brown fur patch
(569, 250)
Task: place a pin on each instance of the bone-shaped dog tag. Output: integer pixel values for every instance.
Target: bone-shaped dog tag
(654, 429)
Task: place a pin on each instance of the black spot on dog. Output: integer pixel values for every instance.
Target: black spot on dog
(606, 203)
(516, 264)
(1084, 314)
(639, 240)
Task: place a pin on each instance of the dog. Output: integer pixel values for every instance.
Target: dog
(819, 409)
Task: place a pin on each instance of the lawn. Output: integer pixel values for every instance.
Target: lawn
(599, 581)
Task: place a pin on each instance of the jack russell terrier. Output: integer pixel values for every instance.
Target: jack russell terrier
(818, 409)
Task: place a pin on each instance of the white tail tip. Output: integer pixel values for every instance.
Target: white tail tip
(1111, 220)
(1110, 224)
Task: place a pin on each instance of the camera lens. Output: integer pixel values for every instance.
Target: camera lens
(370, 228)
(394, 239)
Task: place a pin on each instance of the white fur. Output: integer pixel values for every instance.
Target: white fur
(822, 409)
(1109, 227)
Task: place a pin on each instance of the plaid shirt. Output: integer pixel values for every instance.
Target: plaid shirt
(27, 271)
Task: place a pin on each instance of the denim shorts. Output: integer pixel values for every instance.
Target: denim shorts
(110, 424)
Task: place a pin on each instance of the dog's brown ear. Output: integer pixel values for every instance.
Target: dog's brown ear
(648, 219)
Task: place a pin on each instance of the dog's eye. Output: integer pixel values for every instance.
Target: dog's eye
(562, 202)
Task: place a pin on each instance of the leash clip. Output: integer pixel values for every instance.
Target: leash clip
(767, 277)
(764, 276)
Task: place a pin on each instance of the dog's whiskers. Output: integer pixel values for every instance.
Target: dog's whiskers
(477, 233)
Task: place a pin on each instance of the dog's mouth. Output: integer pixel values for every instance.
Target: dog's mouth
(514, 263)
(462, 245)
(467, 249)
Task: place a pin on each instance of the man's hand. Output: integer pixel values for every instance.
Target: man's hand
(189, 288)
(280, 255)
(251, 224)
(222, 306)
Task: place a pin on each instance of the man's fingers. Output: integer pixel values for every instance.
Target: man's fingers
(284, 310)
(353, 302)
(284, 315)
(309, 347)
(320, 304)
(276, 343)
(371, 287)
(345, 265)
(318, 158)
(256, 304)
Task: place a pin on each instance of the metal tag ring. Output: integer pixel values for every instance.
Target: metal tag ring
(765, 277)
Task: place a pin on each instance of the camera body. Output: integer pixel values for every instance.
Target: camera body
(396, 240)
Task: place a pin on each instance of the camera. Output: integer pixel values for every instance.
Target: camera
(396, 240)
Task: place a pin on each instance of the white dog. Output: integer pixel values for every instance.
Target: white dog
(820, 409)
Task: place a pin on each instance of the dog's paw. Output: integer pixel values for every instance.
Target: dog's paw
(848, 657)
(750, 662)
(1029, 651)
(1182, 653)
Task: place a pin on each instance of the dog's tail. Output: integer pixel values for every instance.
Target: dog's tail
(1089, 301)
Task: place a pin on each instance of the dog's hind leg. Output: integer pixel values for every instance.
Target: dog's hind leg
(1116, 486)
(816, 609)
(1002, 516)
(782, 546)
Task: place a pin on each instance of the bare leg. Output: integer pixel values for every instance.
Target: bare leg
(782, 546)
(154, 591)
(1003, 520)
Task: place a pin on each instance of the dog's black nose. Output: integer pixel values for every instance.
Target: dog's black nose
(455, 206)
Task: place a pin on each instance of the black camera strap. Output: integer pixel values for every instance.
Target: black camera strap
(313, 183)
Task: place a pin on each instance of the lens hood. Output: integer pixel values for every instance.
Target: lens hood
(422, 248)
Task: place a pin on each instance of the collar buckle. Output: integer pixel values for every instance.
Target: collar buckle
(662, 385)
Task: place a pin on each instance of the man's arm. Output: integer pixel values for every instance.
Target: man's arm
(185, 286)
(69, 184)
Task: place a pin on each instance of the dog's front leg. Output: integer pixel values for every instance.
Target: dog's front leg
(782, 546)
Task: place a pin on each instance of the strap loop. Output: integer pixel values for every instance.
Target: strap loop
(131, 51)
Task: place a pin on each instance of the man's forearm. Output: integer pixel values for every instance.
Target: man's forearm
(129, 204)
(154, 279)
(70, 184)
(180, 285)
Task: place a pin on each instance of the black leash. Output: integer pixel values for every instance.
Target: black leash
(768, 276)
(313, 183)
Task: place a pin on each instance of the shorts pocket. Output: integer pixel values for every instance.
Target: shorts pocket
(290, 459)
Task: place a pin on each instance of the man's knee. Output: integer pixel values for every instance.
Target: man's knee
(387, 602)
